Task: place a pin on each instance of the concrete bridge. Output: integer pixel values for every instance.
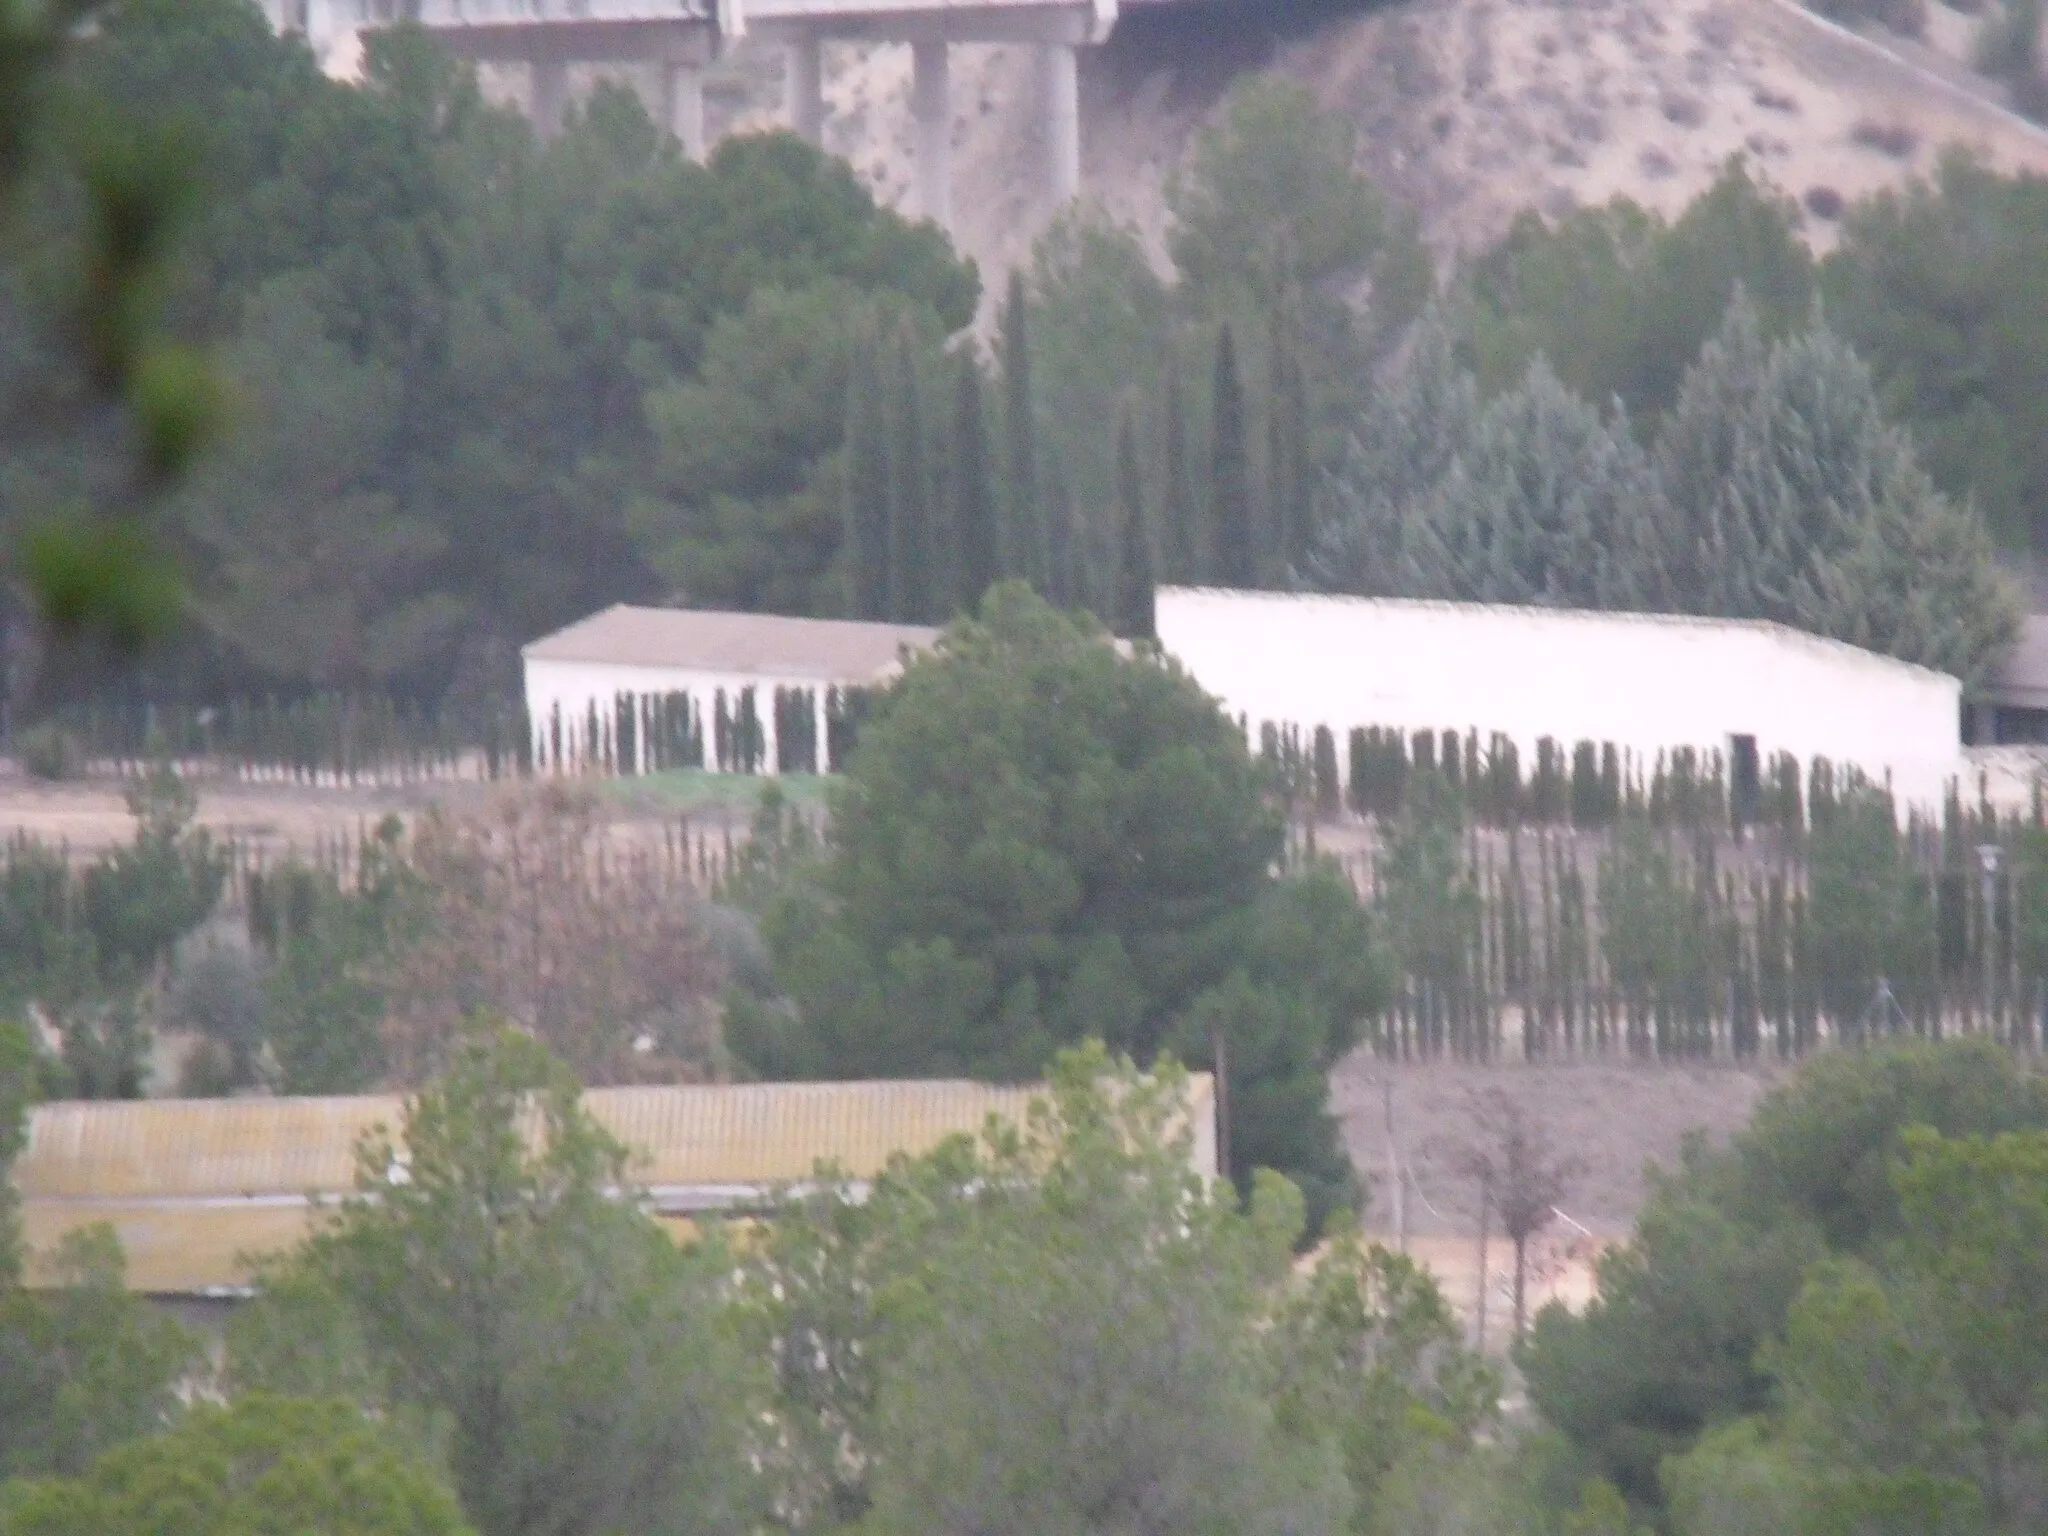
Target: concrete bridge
(681, 37)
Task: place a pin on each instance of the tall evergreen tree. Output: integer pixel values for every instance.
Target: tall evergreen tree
(1230, 492)
(1375, 540)
(867, 488)
(977, 534)
(911, 588)
(1134, 604)
(1711, 560)
(1287, 501)
(1179, 529)
(1064, 585)
(1549, 505)
(1025, 539)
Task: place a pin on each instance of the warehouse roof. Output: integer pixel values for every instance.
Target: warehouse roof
(197, 1189)
(745, 644)
(2021, 681)
(1591, 618)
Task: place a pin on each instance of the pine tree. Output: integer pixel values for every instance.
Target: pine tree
(1793, 499)
(911, 589)
(867, 489)
(977, 537)
(1549, 504)
(1024, 532)
(1413, 430)
(1230, 496)
(1179, 533)
(1134, 604)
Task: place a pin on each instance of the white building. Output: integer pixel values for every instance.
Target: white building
(633, 690)
(1648, 683)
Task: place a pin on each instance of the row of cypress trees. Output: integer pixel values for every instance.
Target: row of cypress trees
(940, 502)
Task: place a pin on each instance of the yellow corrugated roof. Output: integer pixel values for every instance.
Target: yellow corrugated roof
(197, 1188)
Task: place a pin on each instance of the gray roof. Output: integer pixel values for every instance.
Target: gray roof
(2022, 679)
(744, 644)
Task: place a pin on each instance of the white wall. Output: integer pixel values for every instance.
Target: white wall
(574, 685)
(1644, 682)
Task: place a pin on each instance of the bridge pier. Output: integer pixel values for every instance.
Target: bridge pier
(804, 86)
(680, 36)
(682, 99)
(548, 73)
(931, 104)
(1060, 64)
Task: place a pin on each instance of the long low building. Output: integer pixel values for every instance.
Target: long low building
(199, 1189)
(634, 690)
(1649, 683)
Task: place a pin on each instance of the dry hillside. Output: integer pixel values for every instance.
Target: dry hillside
(1470, 110)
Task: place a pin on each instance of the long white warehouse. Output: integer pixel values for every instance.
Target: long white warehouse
(1646, 682)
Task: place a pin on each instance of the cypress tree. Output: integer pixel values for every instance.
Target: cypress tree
(867, 489)
(977, 538)
(1287, 446)
(1025, 543)
(1062, 556)
(1230, 496)
(1178, 531)
(910, 541)
(1270, 513)
(1134, 607)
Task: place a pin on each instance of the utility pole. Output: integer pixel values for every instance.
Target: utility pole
(1485, 1211)
(1394, 1163)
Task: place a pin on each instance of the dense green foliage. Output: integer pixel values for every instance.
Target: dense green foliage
(1773, 489)
(1908, 1387)
(470, 370)
(1039, 841)
(1938, 288)
(482, 384)
(574, 1350)
(261, 1465)
(84, 944)
(1680, 1339)
(1056, 1326)
(85, 1366)
(1833, 1326)
(1055, 1330)
(95, 192)
(1935, 287)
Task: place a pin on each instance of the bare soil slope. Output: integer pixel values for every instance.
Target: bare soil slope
(1613, 1120)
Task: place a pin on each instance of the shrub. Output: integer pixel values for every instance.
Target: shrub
(1824, 203)
(1898, 140)
(46, 752)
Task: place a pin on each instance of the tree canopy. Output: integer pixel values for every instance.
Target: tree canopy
(571, 1346)
(1675, 1343)
(261, 1464)
(465, 368)
(1774, 488)
(1041, 840)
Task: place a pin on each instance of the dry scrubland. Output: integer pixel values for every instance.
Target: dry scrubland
(270, 820)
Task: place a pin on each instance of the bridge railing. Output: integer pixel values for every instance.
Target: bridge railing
(498, 13)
